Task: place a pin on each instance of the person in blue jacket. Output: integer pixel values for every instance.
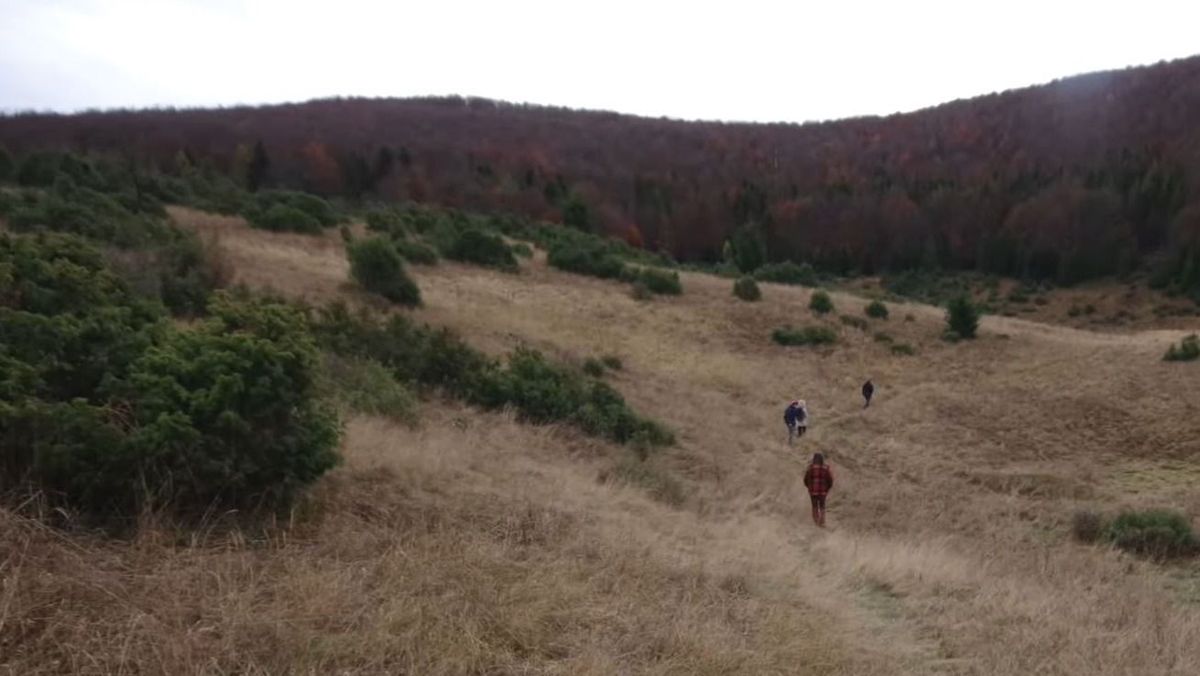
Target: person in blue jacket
(795, 416)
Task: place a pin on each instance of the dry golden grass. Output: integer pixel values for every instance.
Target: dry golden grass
(477, 545)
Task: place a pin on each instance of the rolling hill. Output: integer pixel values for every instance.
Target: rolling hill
(473, 543)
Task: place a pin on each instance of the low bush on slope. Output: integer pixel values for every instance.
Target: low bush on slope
(539, 390)
(106, 406)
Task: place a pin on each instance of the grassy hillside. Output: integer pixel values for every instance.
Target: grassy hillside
(473, 543)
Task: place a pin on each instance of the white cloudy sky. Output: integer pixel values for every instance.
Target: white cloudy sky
(733, 60)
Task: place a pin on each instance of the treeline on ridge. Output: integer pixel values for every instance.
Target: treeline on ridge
(1087, 176)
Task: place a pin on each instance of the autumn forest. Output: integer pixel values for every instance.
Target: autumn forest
(1088, 176)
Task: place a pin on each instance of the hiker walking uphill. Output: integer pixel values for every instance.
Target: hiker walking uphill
(868, 390)
(795, 416)
(818, 479)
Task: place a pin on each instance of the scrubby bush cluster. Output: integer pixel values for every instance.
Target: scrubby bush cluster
(415, 251)
(365, 386)
(809, 335)
(539, 390)
(592, 256)
(787, 272)
(657, 281)
(378, 268)
(586, 258)
(482, 248)
(290, 211)
(105, 405)
(820, 303)
(747, 289)
(1154, 533)
(420, 234)
(94, 201)
(876, 310)
(1187, 350)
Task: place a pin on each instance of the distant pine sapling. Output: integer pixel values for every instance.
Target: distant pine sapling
(962, 317)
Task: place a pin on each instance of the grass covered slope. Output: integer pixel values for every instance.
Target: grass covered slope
(477, 544)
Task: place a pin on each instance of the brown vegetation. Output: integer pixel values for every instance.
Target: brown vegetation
(1069, 180)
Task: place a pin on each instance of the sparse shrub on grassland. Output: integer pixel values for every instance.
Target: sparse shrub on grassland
(809, 335)
(856, 322)
(540, 391)
(314, 207)
(747, 289)
(522, 250)
(586, 258)
(416, 252)
(639, 291)
(375, 264)
(482, 248)
(876, 310)
(903, 349)
(820, 303)
(1155, 533)
(286, 218)
(365, 386)
(543, 392)
(962, 318)
(787, 272)
(883, 337)
(612, 361)
(385, 221)
(1188, 350)
(662, 282)
(415, 354)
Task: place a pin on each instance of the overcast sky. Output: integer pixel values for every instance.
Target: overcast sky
(734, 60)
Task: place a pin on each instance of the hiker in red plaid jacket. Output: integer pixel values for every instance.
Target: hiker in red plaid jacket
(818, 479)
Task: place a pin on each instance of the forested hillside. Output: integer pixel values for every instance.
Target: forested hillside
(1083, 177)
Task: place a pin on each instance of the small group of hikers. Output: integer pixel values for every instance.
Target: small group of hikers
(818, 478)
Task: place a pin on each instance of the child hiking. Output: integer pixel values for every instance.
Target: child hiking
(795, 416)
(818, 479)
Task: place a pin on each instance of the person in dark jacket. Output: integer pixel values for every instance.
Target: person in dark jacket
(868, 389)
(795, 416)
(818, 479)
